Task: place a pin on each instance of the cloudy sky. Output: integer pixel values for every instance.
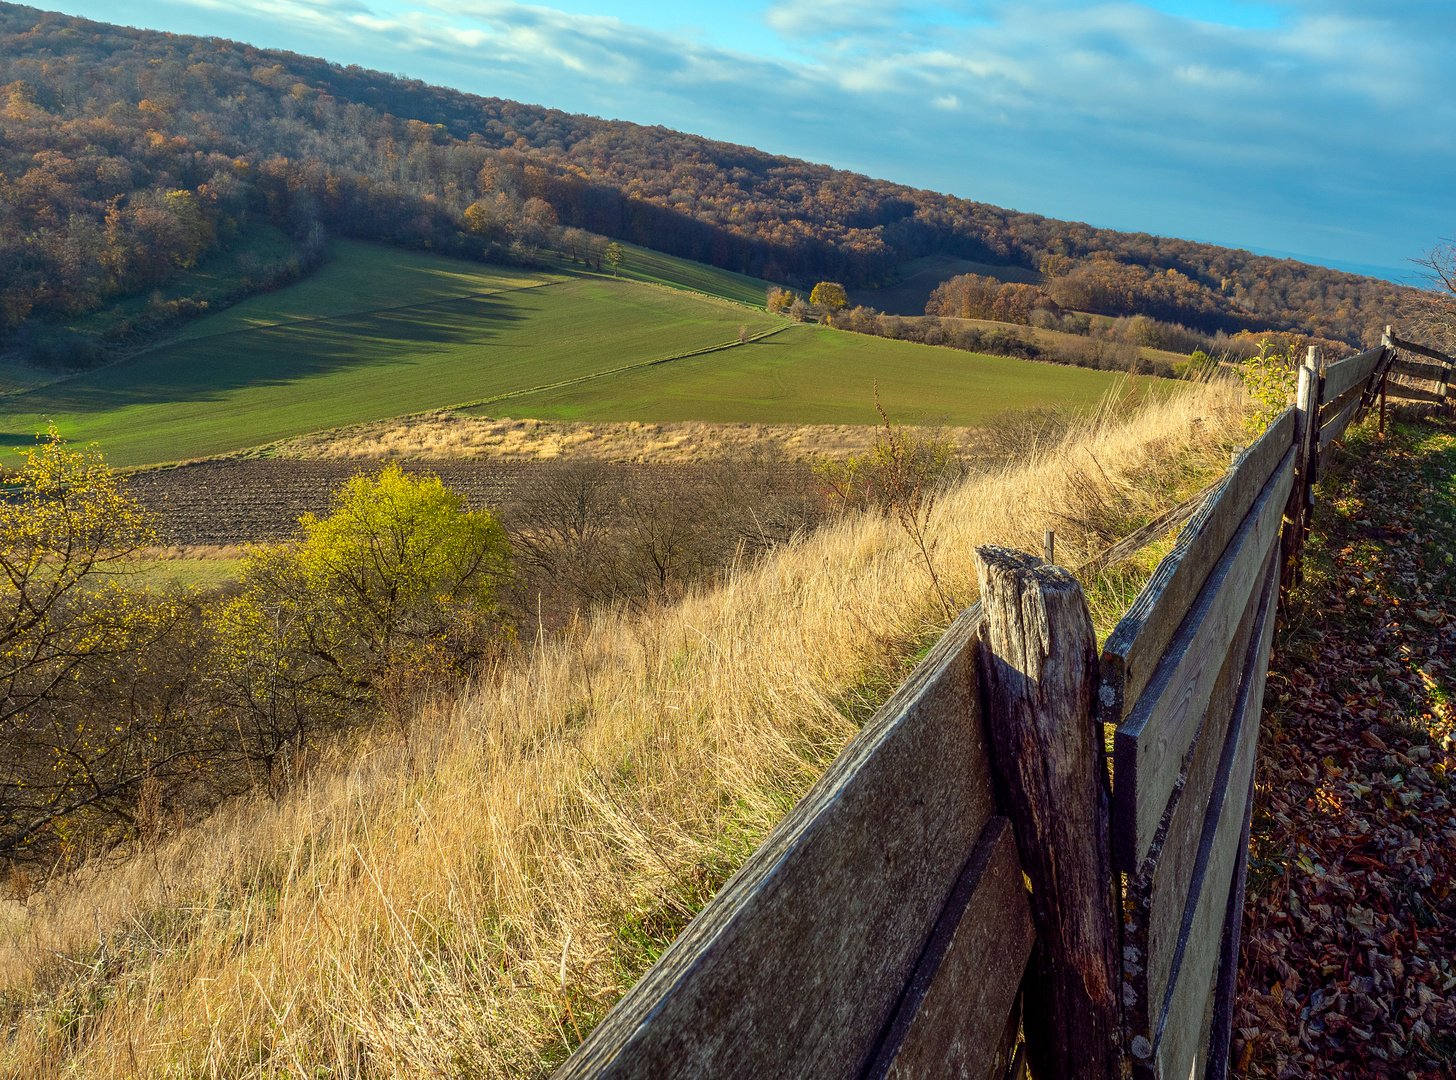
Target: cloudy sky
(1321, 129)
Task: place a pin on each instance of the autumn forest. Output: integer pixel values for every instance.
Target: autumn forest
(128, 157)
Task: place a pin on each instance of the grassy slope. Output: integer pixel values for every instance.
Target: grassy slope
(376, 333)
(644, 264)
(407, 905)
(379, 332)
(808, 374)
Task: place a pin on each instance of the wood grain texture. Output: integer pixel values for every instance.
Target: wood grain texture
(1403, 392)
(1336, 429)
(1140, 538)
(1150, 747)
(1155, 895)
(952, 1018)
(1331, 409)
(1226, 991)
(1188, 1010)
(1038, 661)
(1432, 373)
(1354, 371)
(1137, 643)
(795, 967)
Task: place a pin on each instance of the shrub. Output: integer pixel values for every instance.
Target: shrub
(394, 593)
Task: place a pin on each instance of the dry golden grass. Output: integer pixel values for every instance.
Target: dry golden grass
(467, 896)
(448, 434)
(189, 552)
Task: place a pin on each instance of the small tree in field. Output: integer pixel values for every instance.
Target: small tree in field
(390, 594)
(902, 475)
(615, 255)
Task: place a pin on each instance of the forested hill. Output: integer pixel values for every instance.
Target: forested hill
(126, 155)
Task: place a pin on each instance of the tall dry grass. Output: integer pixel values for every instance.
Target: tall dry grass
(453, 435)
(467, 895)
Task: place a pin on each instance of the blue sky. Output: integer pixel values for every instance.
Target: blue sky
(1321, 129)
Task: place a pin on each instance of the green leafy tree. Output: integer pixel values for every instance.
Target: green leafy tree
(615, 255)
(1271, 380)
(391, 594)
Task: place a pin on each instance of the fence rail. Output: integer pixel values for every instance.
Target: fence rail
(967, 890)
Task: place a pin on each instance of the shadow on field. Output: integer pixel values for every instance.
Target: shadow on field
(211, 367)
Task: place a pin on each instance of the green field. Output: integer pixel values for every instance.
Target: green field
(813, 375)
(379, 332)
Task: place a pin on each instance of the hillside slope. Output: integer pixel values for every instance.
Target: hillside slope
(378, 332)
(129, 154)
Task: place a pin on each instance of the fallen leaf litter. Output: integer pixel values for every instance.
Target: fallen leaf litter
(1348, 967)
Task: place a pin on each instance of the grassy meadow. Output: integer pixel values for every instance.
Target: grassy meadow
(468, 892)
(808, 374)
(379, 332)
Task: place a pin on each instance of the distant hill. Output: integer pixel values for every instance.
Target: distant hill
(126, 156)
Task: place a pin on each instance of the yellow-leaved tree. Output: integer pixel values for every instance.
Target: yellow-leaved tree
(390, 595)
(98, 681)
(829, 295)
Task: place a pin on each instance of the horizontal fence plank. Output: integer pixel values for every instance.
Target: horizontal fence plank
(1149, 747)
(1423, 350)
(1336, 428)
(1411, 393)
(1137, 642)
(1331, 409)
(1435, 373)
(1343, 374)
(955, 1010)
(1184, 1036)
(795, 968)
(1141, 537)
(1157, 890)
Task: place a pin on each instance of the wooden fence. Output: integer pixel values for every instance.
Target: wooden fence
(967, 891)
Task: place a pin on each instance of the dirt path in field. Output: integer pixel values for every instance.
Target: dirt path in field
(1349, 953)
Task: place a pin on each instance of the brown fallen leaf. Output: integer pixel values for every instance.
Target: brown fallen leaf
(1374, 741)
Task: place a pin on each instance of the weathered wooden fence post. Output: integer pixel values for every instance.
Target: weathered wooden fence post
(1040, 676)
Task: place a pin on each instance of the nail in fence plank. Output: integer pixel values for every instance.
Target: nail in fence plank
(1343, 374)
(1150, 747)
(955, 1010)
(795, 967)
(1137, 642)
(1156, 892)
(1039, 678)
(1188, 1012)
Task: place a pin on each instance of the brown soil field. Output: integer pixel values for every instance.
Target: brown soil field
(208, 508)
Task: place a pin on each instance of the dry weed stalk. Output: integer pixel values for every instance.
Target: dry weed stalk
(470, 899)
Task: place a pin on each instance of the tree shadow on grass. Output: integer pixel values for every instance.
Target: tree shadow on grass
(208, 369)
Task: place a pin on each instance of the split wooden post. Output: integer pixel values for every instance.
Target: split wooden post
(1387, 341)
(1309, 455)
(1040, 675)
(1306, 418)
(1049, 546)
